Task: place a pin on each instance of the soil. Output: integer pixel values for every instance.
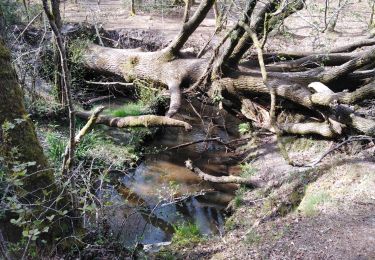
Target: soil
(327, 212)
(322, 213)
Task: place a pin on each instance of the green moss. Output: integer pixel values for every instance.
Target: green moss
(165, 255)
(244, 128)
(238, 199)
(268, 205)
(230, 224)
(247, 170)
(4, 52)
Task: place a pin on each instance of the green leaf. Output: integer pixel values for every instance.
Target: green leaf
(45, 230)
(50, 218)
(25, 233)
(15, 221)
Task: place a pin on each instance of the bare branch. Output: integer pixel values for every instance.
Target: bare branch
(189, 27)
(223, 179)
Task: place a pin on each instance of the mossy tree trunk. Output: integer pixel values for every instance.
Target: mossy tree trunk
(20, 149)
(19, 143)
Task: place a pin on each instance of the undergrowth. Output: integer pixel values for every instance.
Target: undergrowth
(186, 234)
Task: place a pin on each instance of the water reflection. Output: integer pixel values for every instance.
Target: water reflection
(150, 191)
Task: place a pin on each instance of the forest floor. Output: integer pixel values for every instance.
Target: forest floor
(326, 212)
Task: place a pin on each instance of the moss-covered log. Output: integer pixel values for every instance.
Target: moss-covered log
(135, 121)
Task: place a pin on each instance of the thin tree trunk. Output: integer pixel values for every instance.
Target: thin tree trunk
(188, 4)
(54, 19)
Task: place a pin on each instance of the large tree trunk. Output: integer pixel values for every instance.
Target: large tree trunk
(19, 143)
(20, 148)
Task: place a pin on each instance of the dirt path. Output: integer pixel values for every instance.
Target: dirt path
(163, 21)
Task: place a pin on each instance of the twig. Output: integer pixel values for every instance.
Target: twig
(27, 26)
(273, 124)
(94, 116)
(97, 30)
(26, 248)
(196, 112)
(185, 197)
(208, 70)
(108, 83)
(89, 102)
(350, 139)
(52, 12)
(216, 139)
(204, 48)
(89, 124)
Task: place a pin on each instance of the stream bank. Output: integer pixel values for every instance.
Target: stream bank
(161, 194)
(326, 212)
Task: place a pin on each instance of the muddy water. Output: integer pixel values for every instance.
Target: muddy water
(161, 193)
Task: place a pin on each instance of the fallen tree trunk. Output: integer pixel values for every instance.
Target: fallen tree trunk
(135, 121)
(172, 69)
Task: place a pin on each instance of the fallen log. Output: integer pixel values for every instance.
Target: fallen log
(134, 121)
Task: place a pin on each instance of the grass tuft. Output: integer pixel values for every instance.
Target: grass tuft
(130, 109)
(252, 237)
(310, 203)
(186, 234)
(56, 147)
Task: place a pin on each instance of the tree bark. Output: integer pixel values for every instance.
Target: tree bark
(19, 143)
(19, 146)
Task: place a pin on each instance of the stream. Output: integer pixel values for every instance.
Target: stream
(161, 193)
